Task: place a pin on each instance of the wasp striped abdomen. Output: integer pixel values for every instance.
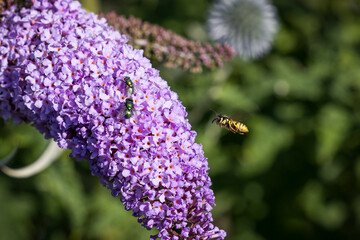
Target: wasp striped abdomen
(230, 124)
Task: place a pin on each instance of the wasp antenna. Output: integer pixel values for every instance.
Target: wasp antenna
(214, 111)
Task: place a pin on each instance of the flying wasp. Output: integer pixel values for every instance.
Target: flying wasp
(230, 124)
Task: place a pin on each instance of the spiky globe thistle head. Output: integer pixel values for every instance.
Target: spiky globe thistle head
(248, 26)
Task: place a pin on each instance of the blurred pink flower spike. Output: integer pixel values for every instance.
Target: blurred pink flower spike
(170, 49)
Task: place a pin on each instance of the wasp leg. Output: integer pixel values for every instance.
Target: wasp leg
(233, 129)
(223, 125)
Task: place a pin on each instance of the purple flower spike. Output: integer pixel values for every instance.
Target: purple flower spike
(63, 70)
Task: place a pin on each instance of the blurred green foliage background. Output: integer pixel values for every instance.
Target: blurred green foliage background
(296, 175)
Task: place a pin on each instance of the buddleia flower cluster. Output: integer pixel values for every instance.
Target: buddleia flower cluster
(169, 48)
(63, 70)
